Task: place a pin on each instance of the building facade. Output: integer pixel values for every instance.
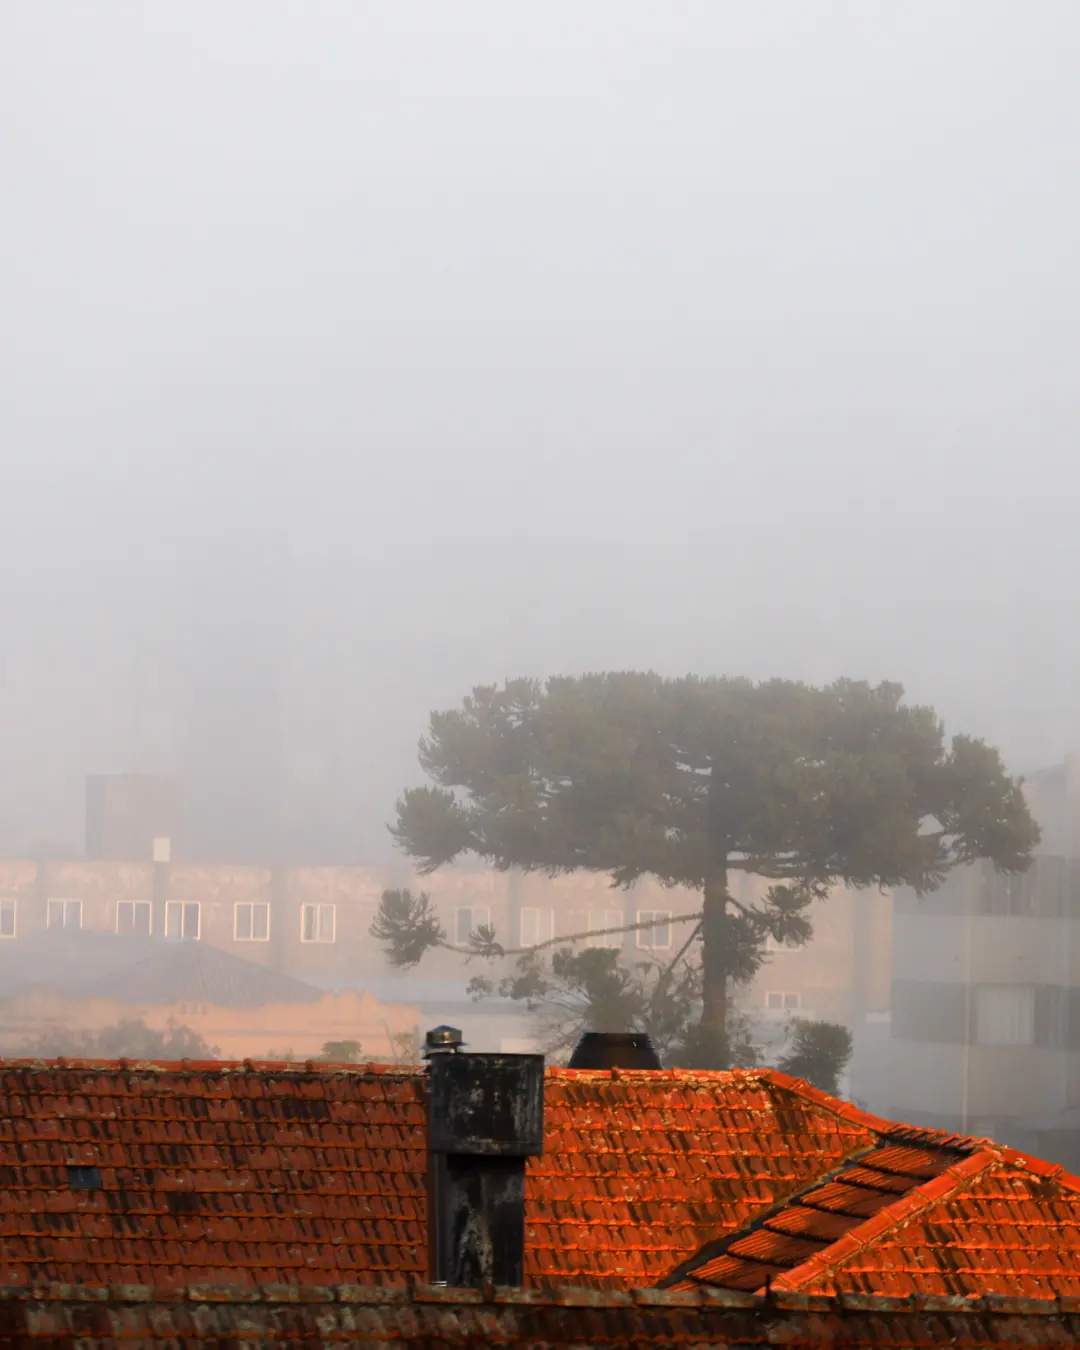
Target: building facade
(986, 991)
(314, 923)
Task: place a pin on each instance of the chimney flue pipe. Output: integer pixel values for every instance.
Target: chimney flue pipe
(485, 1117)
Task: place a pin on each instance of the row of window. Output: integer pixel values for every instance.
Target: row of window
(183, 919)
(251, 923)
(538, 925)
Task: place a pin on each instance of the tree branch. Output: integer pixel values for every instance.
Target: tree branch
(669, 969)
(493, 949)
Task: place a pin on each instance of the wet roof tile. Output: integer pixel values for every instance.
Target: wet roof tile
(215, 1171)
(315, 1175)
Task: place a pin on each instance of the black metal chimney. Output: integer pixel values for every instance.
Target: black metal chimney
(614, 1050)
(485, 1117)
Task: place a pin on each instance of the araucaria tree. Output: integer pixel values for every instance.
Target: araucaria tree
(691, 779)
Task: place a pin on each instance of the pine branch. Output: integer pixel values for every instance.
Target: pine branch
(669, 970)
(493, 949)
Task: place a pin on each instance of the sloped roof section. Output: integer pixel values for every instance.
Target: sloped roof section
(998, 1222)
(919, 1213)
(792, 1233)
(640, 1169)
(68, 959)
(311, 1174)
(195, 972)
(243, 1174)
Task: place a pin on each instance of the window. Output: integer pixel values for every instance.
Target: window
(182, 919)
(7, 917)
(606, 918)
(777, 1000)
(63, 914)
(251, 922)
(1005, 1014)
(657, 938)
(317, 923)
(1008, 894)
(537, 925)
(133, 917)
(467, 920)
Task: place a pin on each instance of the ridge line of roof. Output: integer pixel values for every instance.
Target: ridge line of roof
(133, 1065)
(836, 1106)
(1045, 1171)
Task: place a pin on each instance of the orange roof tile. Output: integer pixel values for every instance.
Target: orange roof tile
(793, 1233)
(165, 1175)
(953, 1218)
(313, 1174)
(640, 1169)
(998, 1222)
(160, 1175)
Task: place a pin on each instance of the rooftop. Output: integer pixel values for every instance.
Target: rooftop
(145, 971)
(165, 1175)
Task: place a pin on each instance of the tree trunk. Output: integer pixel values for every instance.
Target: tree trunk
(714, 911)
(713, 965)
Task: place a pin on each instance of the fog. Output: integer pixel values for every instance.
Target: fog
(356, 353)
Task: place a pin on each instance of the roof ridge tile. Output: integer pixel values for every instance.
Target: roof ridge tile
(836, 1106)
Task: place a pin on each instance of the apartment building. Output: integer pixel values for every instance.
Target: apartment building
(986, 992)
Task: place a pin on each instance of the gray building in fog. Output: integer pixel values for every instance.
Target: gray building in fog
(986, 992)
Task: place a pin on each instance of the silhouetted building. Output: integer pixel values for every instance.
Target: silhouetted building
(127, 812)
(986, 991)
(235, 769)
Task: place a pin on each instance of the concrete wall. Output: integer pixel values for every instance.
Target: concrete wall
(295, 1030)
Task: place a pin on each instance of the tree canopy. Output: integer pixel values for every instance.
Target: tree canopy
(689, 779)
(129, 1038)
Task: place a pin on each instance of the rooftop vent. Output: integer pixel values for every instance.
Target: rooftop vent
(442, 1040)
(615, 1050)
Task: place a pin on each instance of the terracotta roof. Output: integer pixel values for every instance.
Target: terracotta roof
(164, 1175)
(797, 1230)
(115, 1173)
(641, 1169)
(919, 1213)
(275, 1171)
(997, 1222)
(463, 1319)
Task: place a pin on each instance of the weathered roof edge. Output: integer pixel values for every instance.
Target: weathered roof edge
(567, 1296)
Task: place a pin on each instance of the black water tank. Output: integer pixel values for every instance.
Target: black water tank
(614, 1050)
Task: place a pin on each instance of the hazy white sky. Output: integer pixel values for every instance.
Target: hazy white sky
(531, 338)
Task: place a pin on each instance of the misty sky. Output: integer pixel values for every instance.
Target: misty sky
(494, 339)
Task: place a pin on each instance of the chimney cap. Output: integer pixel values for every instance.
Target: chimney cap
(443, 1040)
(614, 1050)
